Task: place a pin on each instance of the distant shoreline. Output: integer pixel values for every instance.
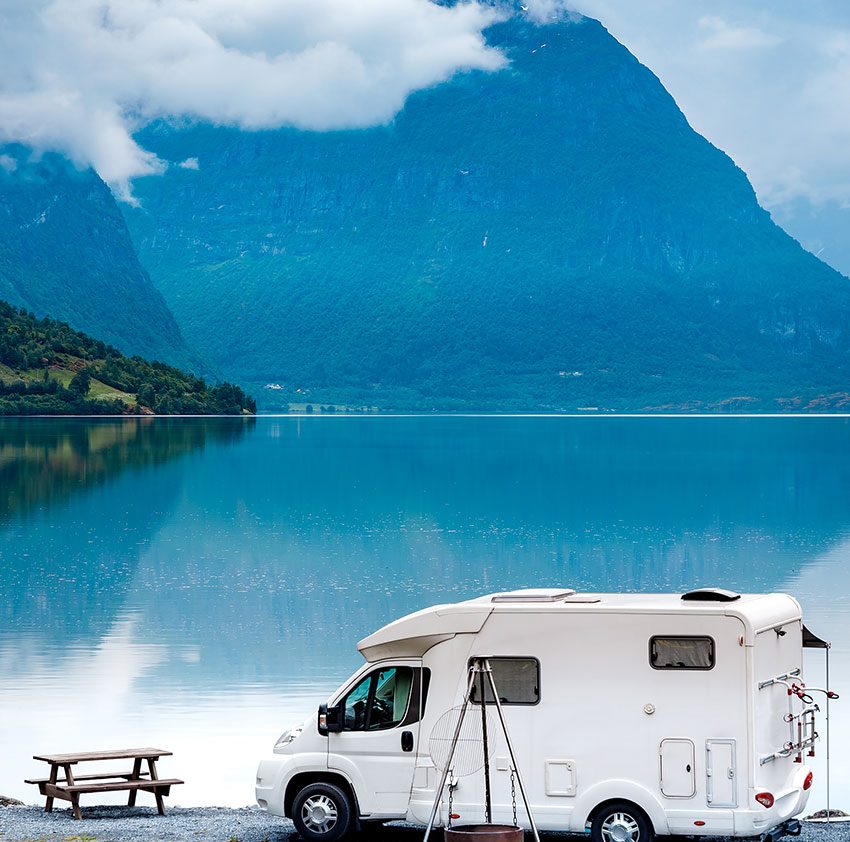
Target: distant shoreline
(448, 414)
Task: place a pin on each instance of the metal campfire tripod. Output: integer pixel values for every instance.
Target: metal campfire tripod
(481, 671)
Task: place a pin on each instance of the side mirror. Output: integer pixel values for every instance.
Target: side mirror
(330, 719)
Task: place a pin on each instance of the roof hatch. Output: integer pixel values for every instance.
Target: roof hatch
(541, 595)
(710, 595)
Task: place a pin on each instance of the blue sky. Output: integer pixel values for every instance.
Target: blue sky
(768, 81)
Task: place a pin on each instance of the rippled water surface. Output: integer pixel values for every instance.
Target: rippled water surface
(200, 585)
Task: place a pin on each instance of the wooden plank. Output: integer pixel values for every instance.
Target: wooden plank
(137, 768)
(53, 791)
(113, 754)
(118, 786)
(105, 775)
(54, 771)
(75, 798)
(157, 794)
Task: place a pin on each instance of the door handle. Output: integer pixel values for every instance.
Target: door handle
(407, 740)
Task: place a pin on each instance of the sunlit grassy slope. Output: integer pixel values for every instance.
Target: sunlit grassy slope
(48, 368)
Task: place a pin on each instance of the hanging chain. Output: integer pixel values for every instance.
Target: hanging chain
(451, 799)
(513, 795)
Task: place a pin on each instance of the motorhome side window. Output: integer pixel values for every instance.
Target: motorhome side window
(379, 701)
(517, 681)
(681, 653)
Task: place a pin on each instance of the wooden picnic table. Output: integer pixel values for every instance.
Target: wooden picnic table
(71, 787)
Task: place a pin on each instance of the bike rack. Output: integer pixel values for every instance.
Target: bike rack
(803, 737)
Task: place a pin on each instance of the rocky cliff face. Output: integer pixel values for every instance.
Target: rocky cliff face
(550, 236)
(65, 252)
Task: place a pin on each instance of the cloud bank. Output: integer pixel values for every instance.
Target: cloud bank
(764, 81)
(81, 76)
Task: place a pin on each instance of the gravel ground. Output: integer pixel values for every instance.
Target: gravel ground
(220, 824)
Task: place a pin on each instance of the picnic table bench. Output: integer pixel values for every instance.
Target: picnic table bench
(70, 787)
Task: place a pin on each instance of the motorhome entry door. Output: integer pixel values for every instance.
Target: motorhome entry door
(678, 778)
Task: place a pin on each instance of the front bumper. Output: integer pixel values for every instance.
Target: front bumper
(272, 776)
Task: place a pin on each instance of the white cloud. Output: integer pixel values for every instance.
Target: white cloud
(721, 35)
(8, 163)
(547, 11)
(81, 76)
(190, 164)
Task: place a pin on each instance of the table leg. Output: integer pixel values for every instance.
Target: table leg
(137, 768)
(160, 806)
(54, 772)
(75, 796)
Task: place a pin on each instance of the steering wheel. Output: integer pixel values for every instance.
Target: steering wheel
(383, 708)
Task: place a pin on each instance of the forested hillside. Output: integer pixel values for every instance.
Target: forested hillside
(46, 368)
(65, 251)
(551, 236)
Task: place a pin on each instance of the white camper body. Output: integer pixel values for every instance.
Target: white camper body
(676, 707)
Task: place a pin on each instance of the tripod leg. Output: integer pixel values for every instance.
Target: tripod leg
(511, 752)
(438, 796)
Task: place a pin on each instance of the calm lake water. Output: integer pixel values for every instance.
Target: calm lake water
(200, 585)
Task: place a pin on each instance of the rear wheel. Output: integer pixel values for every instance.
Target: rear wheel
(322, 813)
(621, 821)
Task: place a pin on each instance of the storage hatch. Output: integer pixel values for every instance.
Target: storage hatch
(678, 779)
(720, 783)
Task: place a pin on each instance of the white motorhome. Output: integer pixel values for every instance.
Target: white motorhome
(630, 715)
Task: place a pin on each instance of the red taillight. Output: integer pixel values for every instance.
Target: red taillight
(807, 784)
(765, 799)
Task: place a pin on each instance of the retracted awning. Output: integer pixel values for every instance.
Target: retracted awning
(812, 641)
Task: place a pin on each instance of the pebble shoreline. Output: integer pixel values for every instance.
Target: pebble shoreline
(223, 824)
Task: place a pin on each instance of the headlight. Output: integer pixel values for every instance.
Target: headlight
(288, 736)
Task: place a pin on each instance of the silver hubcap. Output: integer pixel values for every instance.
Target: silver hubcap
(620, 827)
(319, 813)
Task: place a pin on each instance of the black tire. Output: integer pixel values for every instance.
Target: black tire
(322, 813)
(621, 821)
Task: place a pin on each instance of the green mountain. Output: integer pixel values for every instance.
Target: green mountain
(47, 368)
(65, 251)
(551, 236)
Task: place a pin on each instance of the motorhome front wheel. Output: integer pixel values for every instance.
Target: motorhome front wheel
(322, 813)
(620, 822)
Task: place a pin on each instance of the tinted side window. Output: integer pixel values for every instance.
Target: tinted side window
(379, 701)
(517, 681)
(681, 653)
(356, 706)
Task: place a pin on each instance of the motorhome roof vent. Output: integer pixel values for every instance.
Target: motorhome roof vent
(710, 595)
(544, 595)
